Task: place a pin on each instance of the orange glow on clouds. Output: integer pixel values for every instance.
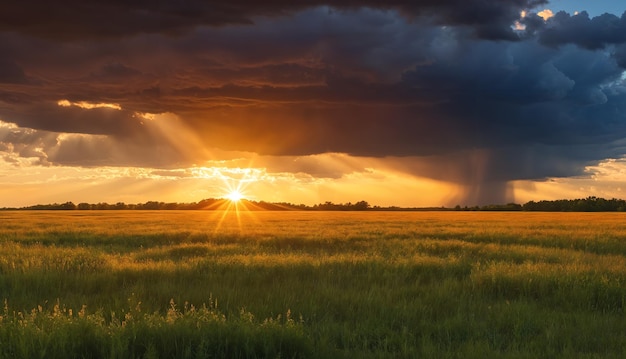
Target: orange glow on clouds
(26, 178)
(545, 14)
(88, 105)
(24, 184)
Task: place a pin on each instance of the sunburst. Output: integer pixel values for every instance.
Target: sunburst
(236, 204)
(234, 196)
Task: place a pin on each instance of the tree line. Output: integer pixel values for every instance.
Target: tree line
(205, 204)
(589, 204)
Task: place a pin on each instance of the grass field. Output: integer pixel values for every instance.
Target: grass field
(210, 284)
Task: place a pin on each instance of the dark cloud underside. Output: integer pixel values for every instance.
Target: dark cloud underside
(76, 19)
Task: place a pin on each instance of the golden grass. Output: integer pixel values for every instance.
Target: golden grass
(379, 284)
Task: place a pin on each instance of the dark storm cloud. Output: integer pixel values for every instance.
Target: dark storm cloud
(52, 117)
(115, 71)
(80, 19)
(591, 33)
(436, 87)
(10, 72)
(271, 75)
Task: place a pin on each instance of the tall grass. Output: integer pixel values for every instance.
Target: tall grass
(188, 333)
(302, 284)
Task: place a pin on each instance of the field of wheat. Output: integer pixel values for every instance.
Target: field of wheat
(211, 284)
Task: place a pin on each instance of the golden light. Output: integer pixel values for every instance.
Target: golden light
(234, 196)
(232, 209)
(88, 105)
(545, 14)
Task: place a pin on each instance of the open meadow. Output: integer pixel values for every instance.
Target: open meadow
(215, 284)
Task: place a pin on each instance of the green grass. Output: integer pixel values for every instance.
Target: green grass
(187, 284)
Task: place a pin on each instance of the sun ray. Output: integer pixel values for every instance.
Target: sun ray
(235, 196)
(235, 204)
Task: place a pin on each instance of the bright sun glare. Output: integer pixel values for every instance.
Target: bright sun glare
(234, 196)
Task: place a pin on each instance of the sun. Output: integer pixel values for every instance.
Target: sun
(234, 196)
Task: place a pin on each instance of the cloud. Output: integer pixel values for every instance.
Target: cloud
(590, 33)
(446, 90)
(545, 14)
(11, 73)
(53, 117)
(115, 71)
(328, 165)
(76, 20)
(153, 149)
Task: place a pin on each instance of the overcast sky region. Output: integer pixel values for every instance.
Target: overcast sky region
(421, 103)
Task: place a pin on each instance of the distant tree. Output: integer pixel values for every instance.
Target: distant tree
(502, 207)
(589, 204)
(102, 206)
(67, 206)
(119, 205)
(169, 206)
(361, 206)
(151, 205)
(83, 206)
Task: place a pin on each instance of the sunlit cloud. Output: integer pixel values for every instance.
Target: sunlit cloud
(88, 105)
(606, 179)
(545, 14)
(519, 26)
(613, 170)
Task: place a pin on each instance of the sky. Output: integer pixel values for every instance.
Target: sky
(421, 103)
